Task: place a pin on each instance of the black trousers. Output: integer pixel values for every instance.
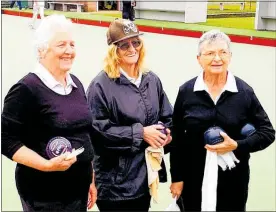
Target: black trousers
(74, 206)
(128, 12)
(232, 190)
(139, 204)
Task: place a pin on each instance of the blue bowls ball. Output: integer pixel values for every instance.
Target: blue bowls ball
(212, 136)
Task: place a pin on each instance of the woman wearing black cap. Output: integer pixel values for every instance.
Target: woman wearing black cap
(126, 103)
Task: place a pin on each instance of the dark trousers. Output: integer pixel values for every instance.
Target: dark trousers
(139, 204)
(128, 12)
(74, 206)
(232, 190)
(18, 3)
(132, 14)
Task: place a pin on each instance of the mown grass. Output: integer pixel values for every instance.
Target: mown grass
(231, 8)
(234, 26)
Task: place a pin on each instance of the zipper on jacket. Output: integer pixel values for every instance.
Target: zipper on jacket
(144, 105)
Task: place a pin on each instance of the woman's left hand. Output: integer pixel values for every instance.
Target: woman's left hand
(92, 195)
(227, 145)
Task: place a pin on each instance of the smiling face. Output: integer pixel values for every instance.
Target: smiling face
(129, 51)
(60, 53)
(214, 57)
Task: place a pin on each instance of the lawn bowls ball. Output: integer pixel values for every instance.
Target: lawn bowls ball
(164, 131)
(57, 146)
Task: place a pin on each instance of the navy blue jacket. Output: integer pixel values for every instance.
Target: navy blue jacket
(120, 110)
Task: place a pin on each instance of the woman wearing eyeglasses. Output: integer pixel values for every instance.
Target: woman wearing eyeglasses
(216, 99)
(126, 103)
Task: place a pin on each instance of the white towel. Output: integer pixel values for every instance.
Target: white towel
(210, 179)
(154, 158)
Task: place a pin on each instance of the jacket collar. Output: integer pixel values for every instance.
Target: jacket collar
(131, 79)
(144, 81)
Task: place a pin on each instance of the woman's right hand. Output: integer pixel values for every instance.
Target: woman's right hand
(60, 163)
(176, 189)
(153, 136)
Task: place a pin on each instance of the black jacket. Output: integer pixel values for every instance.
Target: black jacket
(119, 112)
(194, 113)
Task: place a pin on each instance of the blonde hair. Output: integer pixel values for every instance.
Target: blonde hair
(112, 61)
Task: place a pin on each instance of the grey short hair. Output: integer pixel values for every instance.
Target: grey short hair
(212, 36)
(48, 27)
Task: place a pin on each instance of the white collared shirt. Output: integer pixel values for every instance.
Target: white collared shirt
(229, 86)
(136, 82)
(48, 79)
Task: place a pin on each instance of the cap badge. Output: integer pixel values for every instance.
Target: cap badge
(129, 26)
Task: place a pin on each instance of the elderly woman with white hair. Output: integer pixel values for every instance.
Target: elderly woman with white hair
(219, 116)
(46, 123)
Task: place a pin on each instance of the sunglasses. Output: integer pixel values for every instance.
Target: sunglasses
(126, 45)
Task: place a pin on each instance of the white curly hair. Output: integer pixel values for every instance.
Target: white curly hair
(47, 29)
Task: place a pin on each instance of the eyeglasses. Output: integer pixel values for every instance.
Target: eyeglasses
(126, 45)
(211, 55)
